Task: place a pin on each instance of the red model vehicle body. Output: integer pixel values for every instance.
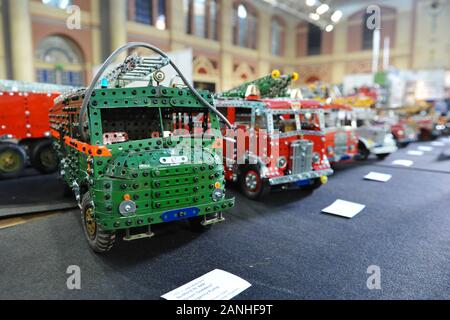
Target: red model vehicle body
(275, 143)
(24, 115)
(25, 127)
(341, 138)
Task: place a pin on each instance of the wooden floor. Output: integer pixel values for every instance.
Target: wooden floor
(14, 221)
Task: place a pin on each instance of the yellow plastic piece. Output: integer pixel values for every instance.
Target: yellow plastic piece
(276, 73)
(324, 179)
(295, 76)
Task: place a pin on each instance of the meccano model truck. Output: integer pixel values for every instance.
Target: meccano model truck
(24, 126)
(136, 155)
(275, 143)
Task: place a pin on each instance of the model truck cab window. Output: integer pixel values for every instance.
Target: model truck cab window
(136, 155)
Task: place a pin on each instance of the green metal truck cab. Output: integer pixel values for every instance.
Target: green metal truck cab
(141, 155)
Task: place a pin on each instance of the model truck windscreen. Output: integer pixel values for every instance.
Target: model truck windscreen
(340, 118)
(285, 123)
(141, 123)
(310, 121)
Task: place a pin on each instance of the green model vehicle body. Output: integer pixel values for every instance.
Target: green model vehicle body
(134, 168)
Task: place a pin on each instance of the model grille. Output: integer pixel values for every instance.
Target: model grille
(302, 152)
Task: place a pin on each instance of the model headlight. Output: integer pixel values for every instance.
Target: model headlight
(127, 208)
(316, 157)
(217, 195)
(282, 162)
(400, 132)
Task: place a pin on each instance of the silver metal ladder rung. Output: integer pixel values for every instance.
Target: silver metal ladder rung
(132, 237)
(218, 219)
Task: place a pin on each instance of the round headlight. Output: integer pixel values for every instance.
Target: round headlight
(282, 162)
(217, 195)
(127, 208)
(316, 157)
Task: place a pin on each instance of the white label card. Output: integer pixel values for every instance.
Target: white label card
(415, 153)
(425, 148)
(405, 163)
(376, 176)
(215, 285)
(344, 208)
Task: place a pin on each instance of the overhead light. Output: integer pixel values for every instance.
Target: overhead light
(242, 12)
(310, 3)
(314, 16)
(322, 8)
(161, 23)
(336, 16)
(329, 28)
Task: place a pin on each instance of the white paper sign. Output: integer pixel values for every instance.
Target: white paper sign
(415, 153)
(437, 144)
(405, 163)
(376, 176)
(215, 285)
(344, 208)
(425, 148)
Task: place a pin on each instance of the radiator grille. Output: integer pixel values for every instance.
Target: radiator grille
(302, 153)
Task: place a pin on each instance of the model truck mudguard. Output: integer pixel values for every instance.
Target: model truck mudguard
(275, 142)
(140, 155)
(25, 127)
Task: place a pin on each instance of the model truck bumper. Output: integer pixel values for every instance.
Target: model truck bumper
(109, 221)
(300, 177)
(384, 149)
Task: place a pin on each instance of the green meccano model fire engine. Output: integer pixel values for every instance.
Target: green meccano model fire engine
(136, 155)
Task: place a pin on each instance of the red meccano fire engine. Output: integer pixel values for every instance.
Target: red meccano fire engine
(275, 143)
(24, 126)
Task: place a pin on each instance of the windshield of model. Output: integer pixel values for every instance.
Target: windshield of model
(285, 123)
(139, 123)
(339, 118)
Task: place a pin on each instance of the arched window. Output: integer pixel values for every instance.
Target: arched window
(151, 12)
(61, 4)
(277, 35)
(59, 61)
(367, 34)
(244, 26)
(314, 45)
(201, 18)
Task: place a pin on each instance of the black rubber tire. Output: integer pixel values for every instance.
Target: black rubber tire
(402, 144)
(103, 240)
(195, 224)
(263, 188)
(382, 156)
(363, 151)
(36, 160)
(22, 157)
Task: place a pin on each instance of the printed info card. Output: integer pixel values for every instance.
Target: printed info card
(215, 285)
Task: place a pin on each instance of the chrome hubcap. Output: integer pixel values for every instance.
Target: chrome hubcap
(251, 181)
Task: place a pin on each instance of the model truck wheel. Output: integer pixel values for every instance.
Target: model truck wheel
(99, 240)
(12, 160)
(382, 156)
(43, 158)
(363, 151)
(252, 185)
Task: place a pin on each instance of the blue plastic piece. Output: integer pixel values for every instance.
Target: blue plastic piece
(303, 183)
(104, 83)
(180, 214)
